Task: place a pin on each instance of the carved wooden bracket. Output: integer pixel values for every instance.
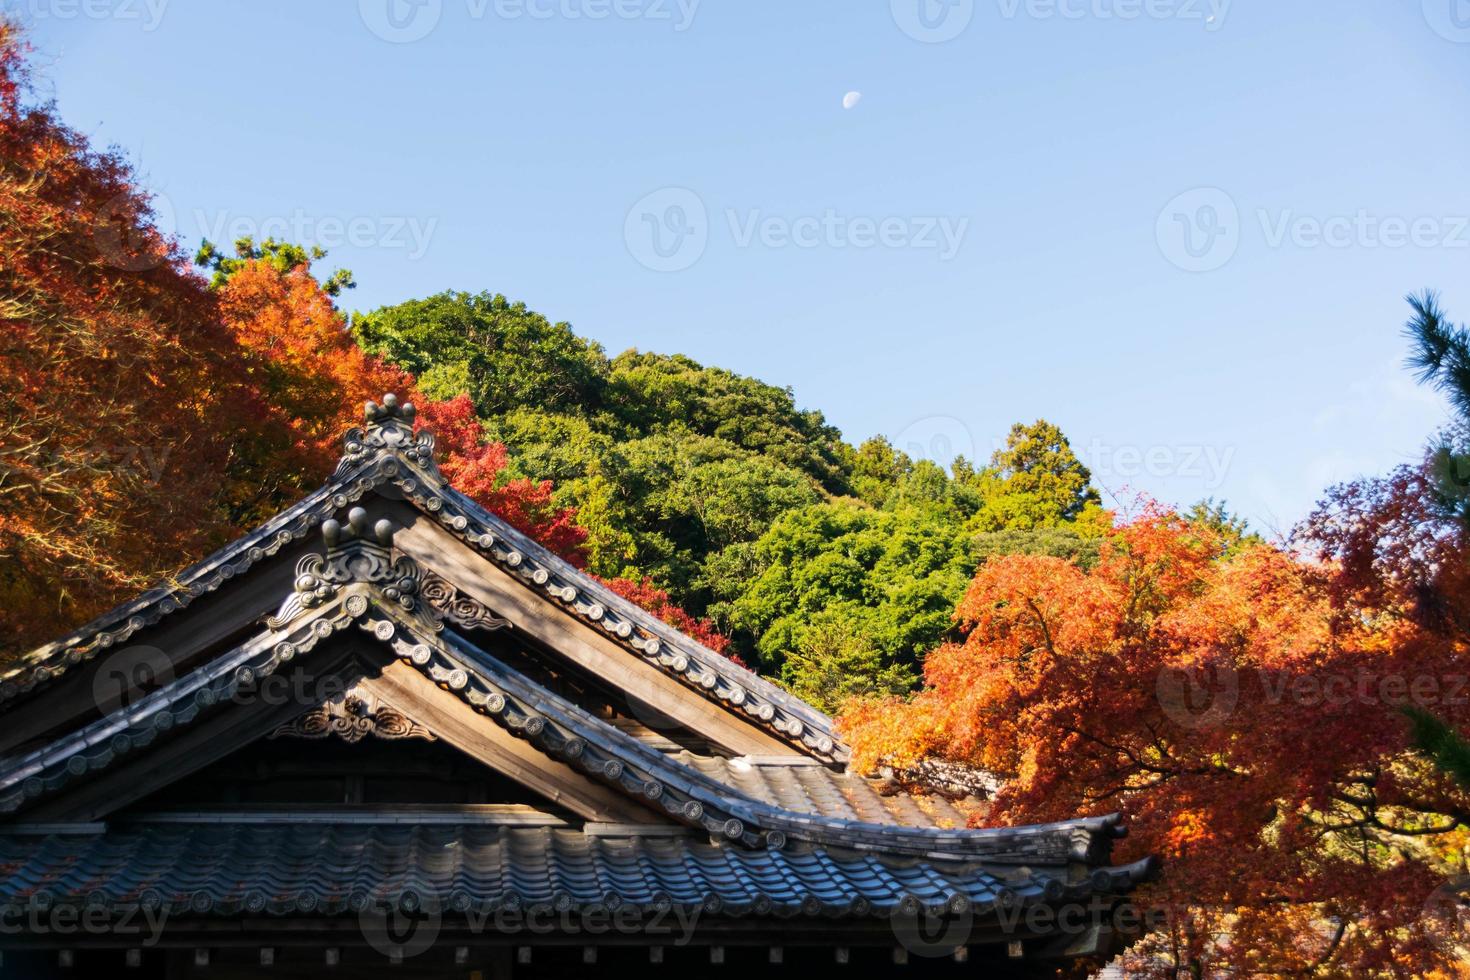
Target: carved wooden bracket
(459, 609)
(352, 717)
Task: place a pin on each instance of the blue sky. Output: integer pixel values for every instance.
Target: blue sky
(1185, 240)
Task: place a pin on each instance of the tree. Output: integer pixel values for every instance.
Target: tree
(1233, 530)
(1035, 480)
(653, 393)
(1164, 682)
(835, 661)
(877, 468)
(282, 256)
(894, 575)
(294, 349)
(118, 389)
(501, 354)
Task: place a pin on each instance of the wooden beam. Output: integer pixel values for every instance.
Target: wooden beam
(539, 617)
(176, 641)
(482, 739)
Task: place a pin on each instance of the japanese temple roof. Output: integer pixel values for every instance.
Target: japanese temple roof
(227, 868)
(788, 834)
(388, 455)
(687, 793)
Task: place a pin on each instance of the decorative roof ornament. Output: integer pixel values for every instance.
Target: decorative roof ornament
(389, 431)
(352, 716)
(355, 553)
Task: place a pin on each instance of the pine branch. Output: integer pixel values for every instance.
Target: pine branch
(1441, 350)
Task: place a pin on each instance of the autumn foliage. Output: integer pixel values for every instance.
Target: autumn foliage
(149, 415)
(115, 379)
(1241, 711)
(477, 468)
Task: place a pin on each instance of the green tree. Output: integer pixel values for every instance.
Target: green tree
(897, 573)
(502, 354)
(654, 392)
(281, 256)
(1233, 530)
(1034, 480)
(835, 661)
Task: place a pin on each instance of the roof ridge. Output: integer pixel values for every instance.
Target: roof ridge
(553, 725)
(387, 450)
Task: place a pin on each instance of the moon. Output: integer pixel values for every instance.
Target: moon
(851, 99)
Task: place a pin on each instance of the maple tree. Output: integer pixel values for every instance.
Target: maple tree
(115, 378)
(1241, 707)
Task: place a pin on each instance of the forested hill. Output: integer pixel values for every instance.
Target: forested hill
(834, 566)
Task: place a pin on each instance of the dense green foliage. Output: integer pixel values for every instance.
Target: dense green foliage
(831, 567)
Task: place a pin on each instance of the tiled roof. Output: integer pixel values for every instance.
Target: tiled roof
(313, 868)
(686, 792)
(805, 786)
